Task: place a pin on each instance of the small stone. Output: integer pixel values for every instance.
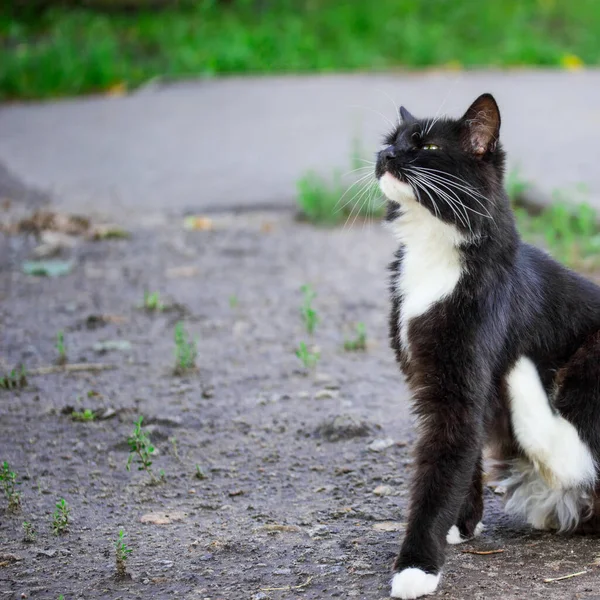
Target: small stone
(110, 345)
(260, 596)
(380, 444)
(303, 395)
(157, 518)
(319, 531)
(343, 427)
(383, 490)
(48, 553)
(326, 394)
(389, 526)
(284, 571)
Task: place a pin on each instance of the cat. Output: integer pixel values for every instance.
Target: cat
(499, 344)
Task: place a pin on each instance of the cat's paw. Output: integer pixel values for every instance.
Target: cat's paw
(453, 536)
(413, 583)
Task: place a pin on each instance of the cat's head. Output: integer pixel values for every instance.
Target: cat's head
(452, 167)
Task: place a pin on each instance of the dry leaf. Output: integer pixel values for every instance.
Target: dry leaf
(184, 271)
(198, 223)
(157, 518)
(389, 526)
(117, 90)
(571, 62)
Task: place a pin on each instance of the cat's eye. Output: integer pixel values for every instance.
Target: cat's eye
(430, 147)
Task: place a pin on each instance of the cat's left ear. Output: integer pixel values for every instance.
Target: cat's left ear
(406, 116)
(481, 125)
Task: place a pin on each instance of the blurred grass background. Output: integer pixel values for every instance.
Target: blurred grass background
(61, 47)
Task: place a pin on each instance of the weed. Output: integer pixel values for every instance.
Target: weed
(60, 518)
(233, 301)
(28, 532)
(8, 479)
(309, 358)
(122, 49)
(141, 450)
(17, 378)
(309, 314)
(122, 552)
(515, 185)
(570, 232)
(185, 351)
(152, 302)
(84, 416)
(200, 474)
(60, 346)
(318, 198)
(173, 441)
(359, 342)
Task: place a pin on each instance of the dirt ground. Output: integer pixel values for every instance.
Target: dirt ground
(297, 500)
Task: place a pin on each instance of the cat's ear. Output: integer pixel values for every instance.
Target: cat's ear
(406, 116)
(481, 125)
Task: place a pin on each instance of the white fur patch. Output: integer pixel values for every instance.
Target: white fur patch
(453, 536)
(530, 497)
(413, 583)
(551, 443)
(431, 264)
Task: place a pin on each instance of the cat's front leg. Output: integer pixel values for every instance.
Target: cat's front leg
(447, 455)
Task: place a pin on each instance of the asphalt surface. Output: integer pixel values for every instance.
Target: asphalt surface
(244, 142)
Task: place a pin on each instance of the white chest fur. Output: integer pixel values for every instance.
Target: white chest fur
(431, 264)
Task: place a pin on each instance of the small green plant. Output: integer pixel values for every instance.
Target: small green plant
(309, 358)
(122, 552)
(200, 474)
(359, 342)
(318, 198)
(60, 346)
(152, 302)
(84, 416)
(141, 450)
(233, 301)
(28, 532)
(8, 479)
(15, 379)
(309, 314)
(569, 231)
(60, 518)
(185, 351)
(515, 185)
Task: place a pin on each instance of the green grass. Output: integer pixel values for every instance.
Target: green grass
(570, 232)
(73, 51)
(8, 482)
(17, 378)
(186, 351)
(61, 517)
(309, 358)
(141, 450)
(122, 552)
(359, 342)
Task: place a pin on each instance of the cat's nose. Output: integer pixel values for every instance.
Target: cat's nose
(388, 154)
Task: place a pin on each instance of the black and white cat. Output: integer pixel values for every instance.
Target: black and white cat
(500, 345)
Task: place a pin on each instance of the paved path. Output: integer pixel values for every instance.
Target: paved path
(245, 141)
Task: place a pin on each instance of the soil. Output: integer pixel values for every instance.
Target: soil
(305, 487)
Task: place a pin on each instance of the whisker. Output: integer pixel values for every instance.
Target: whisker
(376, 112)
(467, 190)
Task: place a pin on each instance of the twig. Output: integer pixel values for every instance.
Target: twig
(288, 588)
(551, 579)
(71, 368)
(483, 552)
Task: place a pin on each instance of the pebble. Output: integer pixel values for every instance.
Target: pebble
(326, 394)
(343, 427)
(383, 490)
(380, 444)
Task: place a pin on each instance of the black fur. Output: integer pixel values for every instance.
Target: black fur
(511, 301)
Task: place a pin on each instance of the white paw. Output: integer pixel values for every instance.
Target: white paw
(453, 536)
(413, 583)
